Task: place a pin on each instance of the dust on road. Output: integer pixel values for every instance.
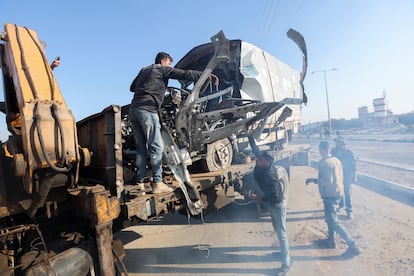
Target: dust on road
(236, 241)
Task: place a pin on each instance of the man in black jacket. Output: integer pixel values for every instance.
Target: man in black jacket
(346, 156)
(273, 180)
(149, 88)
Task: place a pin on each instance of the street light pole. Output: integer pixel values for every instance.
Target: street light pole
(327, 95)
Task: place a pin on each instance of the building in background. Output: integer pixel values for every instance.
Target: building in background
(363, 114)
(380, 110)
(381, 116)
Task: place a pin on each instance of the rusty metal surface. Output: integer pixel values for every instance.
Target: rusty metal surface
(95, 204)
(43, 154)
(71, 262)
(147, 206)
(101, 134)
(105, 208)
(104, 246)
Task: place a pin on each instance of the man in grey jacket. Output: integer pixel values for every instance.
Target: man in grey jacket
(331, 189)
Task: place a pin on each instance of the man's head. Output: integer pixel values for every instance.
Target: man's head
(164, 59)
(339, 143)
(264, 159)
(324, 148)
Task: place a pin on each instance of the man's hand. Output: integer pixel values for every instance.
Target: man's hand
(256, 197)
(310, 180)
(176, 98)
(55, 63)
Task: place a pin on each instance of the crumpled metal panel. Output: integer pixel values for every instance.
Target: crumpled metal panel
(255, 76)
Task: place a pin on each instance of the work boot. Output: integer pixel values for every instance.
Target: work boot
(161, 187)
(144, 187)
(331, 243)
(354, 248)
(283, 271)
(326, 243)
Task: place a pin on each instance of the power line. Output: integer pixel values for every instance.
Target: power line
(290, 22)
(270, 22)
(296, 12)
(267, 19)
(261, 23)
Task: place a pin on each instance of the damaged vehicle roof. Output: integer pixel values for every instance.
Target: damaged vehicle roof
(253, 73)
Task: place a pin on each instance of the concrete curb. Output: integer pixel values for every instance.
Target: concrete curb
(394, 166)
(389, 189)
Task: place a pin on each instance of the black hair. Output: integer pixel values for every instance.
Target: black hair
(162, 55)
(324, 145)
(266, 155)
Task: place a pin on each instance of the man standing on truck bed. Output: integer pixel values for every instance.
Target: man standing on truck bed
(149, 88)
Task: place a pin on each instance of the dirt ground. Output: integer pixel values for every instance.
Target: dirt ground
(237, 241)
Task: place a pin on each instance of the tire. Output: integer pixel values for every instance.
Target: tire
(219, 156)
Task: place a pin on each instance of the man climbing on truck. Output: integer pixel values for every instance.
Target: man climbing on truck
(149, 88)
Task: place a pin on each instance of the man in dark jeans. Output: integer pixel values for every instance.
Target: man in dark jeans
(330, 183)
(149, 88)
(347, 158)
(273, 180)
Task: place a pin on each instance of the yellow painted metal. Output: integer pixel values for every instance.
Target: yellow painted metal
(44, 118)
(107, 208)
(28, 56)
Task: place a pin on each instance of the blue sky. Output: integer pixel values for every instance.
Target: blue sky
(103, 44)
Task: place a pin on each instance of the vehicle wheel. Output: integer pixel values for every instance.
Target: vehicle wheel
(219, 155)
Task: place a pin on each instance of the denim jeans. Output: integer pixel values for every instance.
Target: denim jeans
(331, 218)
(147, 132)
(278, 216)
(346, 200)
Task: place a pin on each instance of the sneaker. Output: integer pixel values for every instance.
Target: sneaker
(143, 188)
(349, 215)
(326, 243)
(284, 269)
(354, 249)
(331, 244)
(161, 187)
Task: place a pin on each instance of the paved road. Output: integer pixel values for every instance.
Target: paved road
(397, 153)
(392, 155)
(236, 241)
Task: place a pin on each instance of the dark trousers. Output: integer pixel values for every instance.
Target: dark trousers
(331, 218)
(346, 200)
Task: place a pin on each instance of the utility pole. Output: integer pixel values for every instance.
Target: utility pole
(327, 95)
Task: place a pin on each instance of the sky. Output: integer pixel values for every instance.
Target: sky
(103, 44)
